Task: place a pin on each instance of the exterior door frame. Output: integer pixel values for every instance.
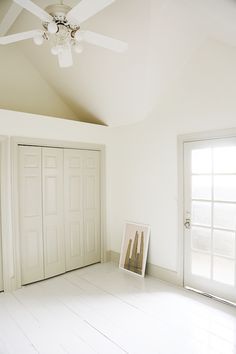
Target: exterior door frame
(15, 142)
(182, 139)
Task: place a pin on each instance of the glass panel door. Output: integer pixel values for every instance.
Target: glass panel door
(210, 217)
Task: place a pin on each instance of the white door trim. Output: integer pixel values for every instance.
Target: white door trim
(15, 142)
(182, 139)
(5, 232)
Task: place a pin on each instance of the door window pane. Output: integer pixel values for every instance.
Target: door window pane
(225, 188)
(224, 243)
(201, 187)
(201, 161)
(224, 159)
(201, 213)
(223, 270)
(225, 215)
(201, 264)
(201, 238)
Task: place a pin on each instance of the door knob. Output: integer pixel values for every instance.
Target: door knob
(187, 224)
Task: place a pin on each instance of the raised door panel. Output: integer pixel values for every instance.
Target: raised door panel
(91, 207)
(30, 214)
(73, 189)
(53, 213)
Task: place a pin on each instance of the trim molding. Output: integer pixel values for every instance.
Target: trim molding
(155, 271)
(181, 140)
(6, 235)
(208, 135)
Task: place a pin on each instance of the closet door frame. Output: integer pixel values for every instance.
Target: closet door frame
(15, 143)
(6, 240)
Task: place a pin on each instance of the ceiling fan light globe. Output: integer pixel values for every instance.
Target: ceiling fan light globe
(52, 27)
(78, 36)
(60, 48)
(54, 50)
(78, 48)
(38, 40)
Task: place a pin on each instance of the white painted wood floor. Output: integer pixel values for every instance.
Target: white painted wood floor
(100, 309)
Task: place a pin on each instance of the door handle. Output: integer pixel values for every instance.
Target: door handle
(187, 224)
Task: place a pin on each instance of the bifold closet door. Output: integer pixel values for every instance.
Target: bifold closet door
(82, 207)
(59, 194)
(73, 192)
(53, 211)
(91, 207)
(30, 203)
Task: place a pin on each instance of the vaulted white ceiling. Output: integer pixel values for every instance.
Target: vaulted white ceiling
(105, 87)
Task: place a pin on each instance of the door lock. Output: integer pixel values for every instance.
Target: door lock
(187, 224)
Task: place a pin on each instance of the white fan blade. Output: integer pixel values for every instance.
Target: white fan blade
(65, 59)
(19, 36)
(9, 18)
(104, 41)
(86, 9)
(34, 9)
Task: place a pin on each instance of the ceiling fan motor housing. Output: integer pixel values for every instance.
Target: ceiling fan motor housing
(58, 10)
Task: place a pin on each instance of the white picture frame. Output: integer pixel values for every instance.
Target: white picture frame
(134, 248)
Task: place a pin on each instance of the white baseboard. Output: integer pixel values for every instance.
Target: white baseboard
(167, 275)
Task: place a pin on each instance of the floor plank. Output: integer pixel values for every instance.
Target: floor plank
(100, 309)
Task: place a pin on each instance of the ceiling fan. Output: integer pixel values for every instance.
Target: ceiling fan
(61, 24)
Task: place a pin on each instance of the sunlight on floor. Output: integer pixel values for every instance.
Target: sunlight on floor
(100, 309)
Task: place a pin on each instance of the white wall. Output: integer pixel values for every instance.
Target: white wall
(143, 183)
(23, 89)
(143, 186)
(31, 125)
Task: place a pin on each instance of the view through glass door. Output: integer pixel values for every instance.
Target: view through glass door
(210, 217)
